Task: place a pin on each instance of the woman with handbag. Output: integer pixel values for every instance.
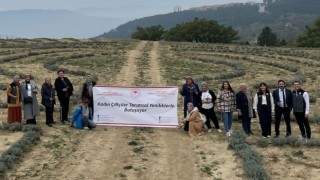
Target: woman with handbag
(29, 91)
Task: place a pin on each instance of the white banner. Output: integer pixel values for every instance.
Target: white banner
(135, 106)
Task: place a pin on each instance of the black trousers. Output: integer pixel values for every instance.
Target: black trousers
(64, 103)
(265, 118)
(186, 126)
(303, 123)
(49, 115)
(210, 115)
(31, 121)
(286, 114)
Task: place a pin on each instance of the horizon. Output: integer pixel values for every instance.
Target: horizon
(101, 16)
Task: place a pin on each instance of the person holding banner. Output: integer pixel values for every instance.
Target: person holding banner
(190, 91)
(87, 90)
(83, 116)
(194, 121)
(64, 89)
(207, 106)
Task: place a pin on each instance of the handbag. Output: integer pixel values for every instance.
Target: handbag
(27, 100)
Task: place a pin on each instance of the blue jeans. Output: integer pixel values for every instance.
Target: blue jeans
(227, 120)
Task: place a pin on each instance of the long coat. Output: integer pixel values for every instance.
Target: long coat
(47, 92)
(30, 109)
(242, 104)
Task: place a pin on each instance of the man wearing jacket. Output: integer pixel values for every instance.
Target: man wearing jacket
(283, 106)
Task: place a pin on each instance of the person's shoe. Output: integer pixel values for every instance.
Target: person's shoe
(268, 136)
(50, 125)
(219, 130)
(85, 128)
(288, 134)
(62, 122)
(264, 137)
(53, 122)
(247, 133)
(250, 132)
(228, 134)
(209, 130)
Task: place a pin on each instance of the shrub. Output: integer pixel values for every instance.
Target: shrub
(262, 143)
(15, 127)
(279, 141)
(251, 159)
(31, 127)
(293, 141)
(3, 168)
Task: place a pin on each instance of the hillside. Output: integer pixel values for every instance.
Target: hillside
(286, 17)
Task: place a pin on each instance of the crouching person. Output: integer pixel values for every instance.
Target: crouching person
(193, 122)
(83, 116)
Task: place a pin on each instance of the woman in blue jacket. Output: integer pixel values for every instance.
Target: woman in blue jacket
(190, 91)
(83, 116)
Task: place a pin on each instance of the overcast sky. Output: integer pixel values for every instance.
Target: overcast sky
(130, 8)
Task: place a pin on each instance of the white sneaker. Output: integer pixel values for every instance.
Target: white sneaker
(228, 134)
(219, 130)
(268, 136)
(209, 130)
(264, 137)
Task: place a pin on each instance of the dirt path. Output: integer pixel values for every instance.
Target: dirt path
(154, 71)
(128, 72)
(104, 151)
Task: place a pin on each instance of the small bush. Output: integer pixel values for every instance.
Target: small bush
(31, 127)
(279, 141)
(15, 127)
(293, 141)
(262, 143)
(3, 168)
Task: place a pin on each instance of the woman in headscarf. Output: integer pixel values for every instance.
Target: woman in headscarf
(194, 120)
(190, 91)
(207, 99)
(14, 101)
(29, 91)
(87, 91)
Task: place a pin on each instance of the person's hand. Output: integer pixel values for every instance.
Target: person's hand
(51, 99)
(218, 110)
(64, 89)
(239, 113)
(306, 116)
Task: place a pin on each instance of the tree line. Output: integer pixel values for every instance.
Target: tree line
(199, 30)
(210, 31)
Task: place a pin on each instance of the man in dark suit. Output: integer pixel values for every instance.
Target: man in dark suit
(283, 105)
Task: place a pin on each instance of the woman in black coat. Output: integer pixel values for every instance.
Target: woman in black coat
(244, 101)
(48, 100)
(64, 89)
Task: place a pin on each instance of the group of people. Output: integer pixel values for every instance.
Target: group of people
(264, 104)
(23, 95)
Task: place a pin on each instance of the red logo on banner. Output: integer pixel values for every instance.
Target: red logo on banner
(135, 93)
